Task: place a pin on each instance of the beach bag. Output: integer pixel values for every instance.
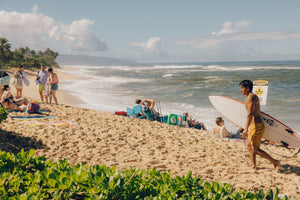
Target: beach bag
(32, 107)
(172, 119)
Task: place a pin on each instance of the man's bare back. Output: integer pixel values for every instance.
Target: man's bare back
(253, 101)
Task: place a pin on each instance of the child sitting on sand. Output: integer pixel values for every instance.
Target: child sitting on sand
(7, 94)
(11, 106)
(220, 130)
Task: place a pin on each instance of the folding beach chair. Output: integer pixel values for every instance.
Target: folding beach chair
(137, 109)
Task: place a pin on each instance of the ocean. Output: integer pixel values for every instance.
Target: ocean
(181, 87)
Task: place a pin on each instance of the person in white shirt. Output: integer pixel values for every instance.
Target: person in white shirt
(220, 130)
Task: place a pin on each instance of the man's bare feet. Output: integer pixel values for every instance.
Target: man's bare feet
(276, 164)
(244, 136)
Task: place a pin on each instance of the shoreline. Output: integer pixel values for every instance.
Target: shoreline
(92, 137)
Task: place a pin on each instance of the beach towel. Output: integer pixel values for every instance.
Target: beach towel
(31, 117)
(23, 111)
(120, 113)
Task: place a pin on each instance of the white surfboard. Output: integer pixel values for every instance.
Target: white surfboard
(236, 112)
(47, 90)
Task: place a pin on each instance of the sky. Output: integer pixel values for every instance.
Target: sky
(157, 30)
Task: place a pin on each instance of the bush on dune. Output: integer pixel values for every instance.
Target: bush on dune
(25, 56)
(3, 114)
(24, 176)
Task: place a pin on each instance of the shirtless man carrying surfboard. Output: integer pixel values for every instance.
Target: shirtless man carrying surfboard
(254, 124)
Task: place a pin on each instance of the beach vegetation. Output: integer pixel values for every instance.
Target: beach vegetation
(25, 56)
(25, 176)
(3, 114)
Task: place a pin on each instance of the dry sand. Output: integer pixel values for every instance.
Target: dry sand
(93, 137)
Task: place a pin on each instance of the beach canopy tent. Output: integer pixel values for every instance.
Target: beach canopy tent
(4, 78)
(3, 73)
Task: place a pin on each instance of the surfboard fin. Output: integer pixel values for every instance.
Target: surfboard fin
(286, 145)
(289, 131)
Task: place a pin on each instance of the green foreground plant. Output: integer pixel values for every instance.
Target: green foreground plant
(3, 114)
(24, 176)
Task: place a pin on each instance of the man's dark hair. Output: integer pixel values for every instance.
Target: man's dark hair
(247, 84)
(5, 87)
(138, 101)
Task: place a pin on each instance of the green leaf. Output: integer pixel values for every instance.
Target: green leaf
(66, 181)
(208, 186)
(31, 153)
(23, 197)
(216, 186)
(52, 182)
(22, 154)
(33, 189)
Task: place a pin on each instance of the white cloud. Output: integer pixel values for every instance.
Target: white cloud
(227, 27)
(35, 8)
(38, 31)
(245, 23)
(77, 36)
(153, 45)
(230, 33)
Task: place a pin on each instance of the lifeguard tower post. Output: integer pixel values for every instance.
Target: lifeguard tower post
(260, 88)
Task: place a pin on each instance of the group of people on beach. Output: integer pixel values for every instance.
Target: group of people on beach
(148, 112)
(47, 82)
(253, 130)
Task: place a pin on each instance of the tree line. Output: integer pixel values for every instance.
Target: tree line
(25, 56)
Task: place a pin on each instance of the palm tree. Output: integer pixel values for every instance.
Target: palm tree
(4, 47)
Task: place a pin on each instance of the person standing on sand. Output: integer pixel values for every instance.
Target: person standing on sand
(254, 124)
(4, 80)
(42, 77)
(18, 82)
(53, 80)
